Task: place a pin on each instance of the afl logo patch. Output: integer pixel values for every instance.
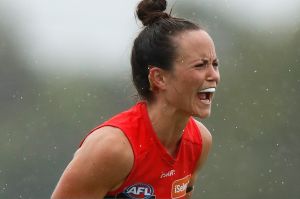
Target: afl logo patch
(140, 190)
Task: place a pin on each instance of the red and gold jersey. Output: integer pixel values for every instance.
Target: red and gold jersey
(155, 173)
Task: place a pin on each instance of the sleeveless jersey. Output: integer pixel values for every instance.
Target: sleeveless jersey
(155, 173)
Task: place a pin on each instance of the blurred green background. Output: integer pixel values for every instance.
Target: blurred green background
(64, 68)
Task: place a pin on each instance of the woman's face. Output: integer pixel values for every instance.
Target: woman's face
(195, 75)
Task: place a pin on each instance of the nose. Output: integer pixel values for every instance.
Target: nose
(212, 74)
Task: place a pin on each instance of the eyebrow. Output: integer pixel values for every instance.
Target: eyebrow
(205, 60)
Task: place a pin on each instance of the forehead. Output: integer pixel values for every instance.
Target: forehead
(195, 44)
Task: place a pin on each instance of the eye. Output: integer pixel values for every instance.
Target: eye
(215, 64)
(200, 65)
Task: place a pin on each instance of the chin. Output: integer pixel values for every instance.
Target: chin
(202, 114)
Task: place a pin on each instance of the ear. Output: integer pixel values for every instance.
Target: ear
(157, 78)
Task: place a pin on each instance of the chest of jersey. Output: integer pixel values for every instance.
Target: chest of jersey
(155, 173)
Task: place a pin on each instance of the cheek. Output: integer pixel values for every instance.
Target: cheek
(195, 80)
(185, 83)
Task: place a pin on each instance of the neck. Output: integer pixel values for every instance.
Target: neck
(168, 123)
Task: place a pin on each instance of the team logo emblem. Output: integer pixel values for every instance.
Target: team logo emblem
(179, 187)
(138, 191)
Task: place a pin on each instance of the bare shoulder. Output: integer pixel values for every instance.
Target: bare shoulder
(205, 134)
(207, 142)
(109, 140)
(110, 144)
(100, 165)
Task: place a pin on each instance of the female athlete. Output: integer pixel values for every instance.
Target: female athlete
(156, 148)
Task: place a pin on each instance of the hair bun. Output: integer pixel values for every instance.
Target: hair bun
(149, 11)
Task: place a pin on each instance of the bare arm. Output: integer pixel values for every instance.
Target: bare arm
(99, 166)
(207, 142)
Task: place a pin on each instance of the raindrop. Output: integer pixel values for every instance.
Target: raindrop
(255, 71)
(270, 171)
(267, 89)
(282, 182)
(21, 97)
(5, 187)
(260, 190)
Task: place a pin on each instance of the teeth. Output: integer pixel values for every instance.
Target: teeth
(208, 90)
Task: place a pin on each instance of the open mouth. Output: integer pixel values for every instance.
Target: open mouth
(206, 95)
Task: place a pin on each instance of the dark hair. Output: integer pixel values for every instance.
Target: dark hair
(154, 45)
